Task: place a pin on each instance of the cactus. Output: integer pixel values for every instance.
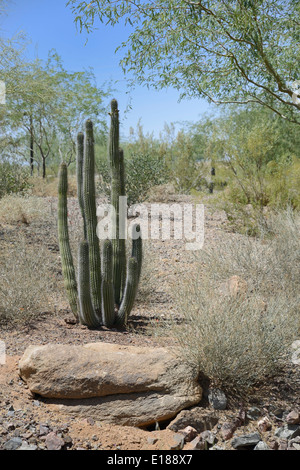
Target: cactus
(87, 315)
(64, 241)
(107, 285)
(90, 217)
(117, 187)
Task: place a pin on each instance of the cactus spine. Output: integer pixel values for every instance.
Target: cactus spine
(107, 287)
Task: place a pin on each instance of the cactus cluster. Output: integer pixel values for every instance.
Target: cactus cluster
(106, 287)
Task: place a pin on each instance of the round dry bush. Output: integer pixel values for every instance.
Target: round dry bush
(28, 282)
(239, 311)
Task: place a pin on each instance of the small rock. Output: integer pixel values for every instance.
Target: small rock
(152, 440)
(26, 446)
(227, 430)
(253, 413)
(196, 444)
(68, 442)
(189, 433)
(43, 430)
(247, 440)
(217, 399)
(283, 444)
(264, 424)
(53, 442)
(199, 418)
(293, 417)
(216, 448)
(13, 444)
(274, 444)
(288, 431)
(209, 437)
(262, 446)
(178, 442)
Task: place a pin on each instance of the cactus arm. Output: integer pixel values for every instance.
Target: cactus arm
(79, 169)
(137, 248)
(108, 304)
(129, 293)
(64, 241)
(117, 187)
(87, 315)
(89, 203)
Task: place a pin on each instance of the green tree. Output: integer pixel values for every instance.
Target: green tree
(45, 113)
(237, 51)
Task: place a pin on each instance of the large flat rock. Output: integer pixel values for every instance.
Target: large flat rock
(125, 385)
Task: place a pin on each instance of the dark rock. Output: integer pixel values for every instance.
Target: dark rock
(217, 399)
(196, 444)
(288, 431)
(253, 413)
(13, 444)
(247, 440)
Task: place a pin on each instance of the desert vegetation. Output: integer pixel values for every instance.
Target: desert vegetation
(230, 310)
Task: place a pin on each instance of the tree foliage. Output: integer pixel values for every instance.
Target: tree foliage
(237, 51)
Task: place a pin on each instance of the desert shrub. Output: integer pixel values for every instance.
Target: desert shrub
(28, 282)
(142, 172)
(14, 178)
(25, 209)
(240, 337)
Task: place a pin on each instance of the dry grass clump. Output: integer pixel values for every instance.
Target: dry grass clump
(48, 187)
(23, 209)
(28, 281)
(240, 308)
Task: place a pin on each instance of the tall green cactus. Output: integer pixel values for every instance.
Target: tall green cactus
(107, 287)
(90, 217)
(64, 241)
(117, 187)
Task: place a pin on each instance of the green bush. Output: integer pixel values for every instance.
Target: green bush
(14, 178)
(143, 171)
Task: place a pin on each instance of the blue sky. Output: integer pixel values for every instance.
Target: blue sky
(49, 24)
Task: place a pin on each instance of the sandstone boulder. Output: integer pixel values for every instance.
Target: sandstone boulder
(125, 385)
